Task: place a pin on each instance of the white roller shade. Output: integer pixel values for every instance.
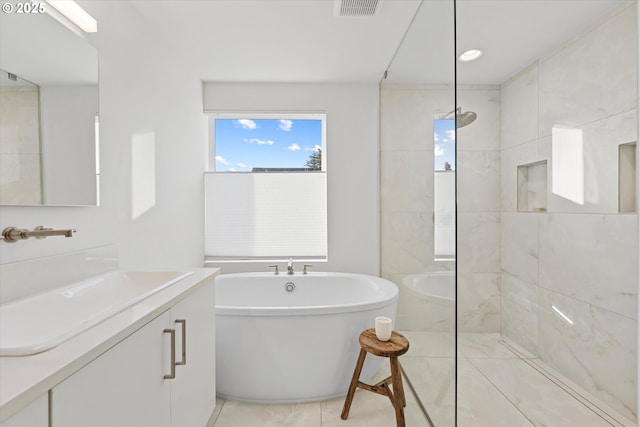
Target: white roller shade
(266, 215)
(444, 220)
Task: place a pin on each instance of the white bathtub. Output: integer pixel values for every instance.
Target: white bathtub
(438, 287)
(294, 338)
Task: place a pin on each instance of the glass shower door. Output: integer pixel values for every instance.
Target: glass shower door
(418, 171)
(537, 298)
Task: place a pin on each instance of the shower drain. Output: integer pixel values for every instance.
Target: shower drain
(289, 287)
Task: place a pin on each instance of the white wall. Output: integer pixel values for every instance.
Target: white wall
(352, 160)
(151, 102)
(147, 89)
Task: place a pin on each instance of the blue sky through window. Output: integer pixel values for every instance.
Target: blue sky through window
(244, 144)
(444, 144)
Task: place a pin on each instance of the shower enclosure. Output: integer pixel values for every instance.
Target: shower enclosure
(509, 210)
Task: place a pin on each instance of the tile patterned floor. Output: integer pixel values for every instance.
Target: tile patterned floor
(500, 384)
(368, 409)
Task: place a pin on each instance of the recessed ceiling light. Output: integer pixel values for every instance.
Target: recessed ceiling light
(470, 55)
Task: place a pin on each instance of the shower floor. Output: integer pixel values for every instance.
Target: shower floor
(499, 385)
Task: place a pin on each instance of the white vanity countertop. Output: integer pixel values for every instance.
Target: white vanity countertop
(24, 378)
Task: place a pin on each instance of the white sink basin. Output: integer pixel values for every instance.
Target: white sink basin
(43, 321)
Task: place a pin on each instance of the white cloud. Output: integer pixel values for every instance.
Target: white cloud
(314, 148)
(246, 124)
(293, 147)
(438, 150)
(286, 125)
(222, 160)
(435, 137)
(259, 141)
(242, 165)
(451, 135)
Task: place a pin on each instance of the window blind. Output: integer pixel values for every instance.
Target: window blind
(266, 215)
(444, 224)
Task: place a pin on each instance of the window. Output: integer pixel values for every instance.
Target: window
(444, 200)
(266, 143)
(265, 194)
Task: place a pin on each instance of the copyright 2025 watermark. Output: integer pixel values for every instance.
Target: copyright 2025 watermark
(24, 8)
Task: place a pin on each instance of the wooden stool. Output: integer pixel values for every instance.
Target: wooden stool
(396, 346)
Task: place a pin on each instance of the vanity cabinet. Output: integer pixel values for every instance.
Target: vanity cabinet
(131, 384)
(193, 391)
(34, 415)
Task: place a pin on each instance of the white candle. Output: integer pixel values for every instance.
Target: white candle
(383, 328)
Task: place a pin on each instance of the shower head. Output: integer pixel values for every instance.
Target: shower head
(462, 119)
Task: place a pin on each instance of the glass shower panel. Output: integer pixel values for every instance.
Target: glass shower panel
(547, 250)
(418, 216)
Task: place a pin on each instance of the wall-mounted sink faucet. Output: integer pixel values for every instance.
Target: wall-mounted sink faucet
(13, 234)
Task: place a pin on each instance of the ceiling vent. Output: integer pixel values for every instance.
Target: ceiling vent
(356, 8)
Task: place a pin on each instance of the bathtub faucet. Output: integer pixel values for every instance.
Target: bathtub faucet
(290, 266)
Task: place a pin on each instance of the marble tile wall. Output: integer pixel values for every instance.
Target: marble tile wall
(20, 145)
(569, 275)
(406, 195)
(407, 158)
(478, 240)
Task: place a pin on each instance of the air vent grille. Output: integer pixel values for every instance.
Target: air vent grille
(356, 8)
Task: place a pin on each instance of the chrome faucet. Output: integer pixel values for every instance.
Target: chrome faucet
(13, 234)
(276, 269)
(290, 266)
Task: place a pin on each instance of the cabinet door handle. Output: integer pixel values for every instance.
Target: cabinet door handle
(172, 333)
(184, 342)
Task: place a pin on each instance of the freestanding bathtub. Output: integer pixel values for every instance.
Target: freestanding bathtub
(437, 287)
(294, 338)
(433, 296)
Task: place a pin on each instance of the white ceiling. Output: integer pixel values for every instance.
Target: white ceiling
(39, 49)
(302, 40)
(513, 34)
(281, 40)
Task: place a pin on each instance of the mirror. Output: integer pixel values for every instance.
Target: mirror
(48, 113)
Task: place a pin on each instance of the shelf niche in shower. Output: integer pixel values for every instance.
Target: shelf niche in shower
(532, 187)
(627, 173)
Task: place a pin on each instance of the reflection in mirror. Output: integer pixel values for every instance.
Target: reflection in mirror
(53, 160)
(20, 152)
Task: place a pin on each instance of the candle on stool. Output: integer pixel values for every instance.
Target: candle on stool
(383, 328)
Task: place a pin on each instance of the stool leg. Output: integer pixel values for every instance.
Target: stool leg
(354, 385)
(400, 385)
(398, 393)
